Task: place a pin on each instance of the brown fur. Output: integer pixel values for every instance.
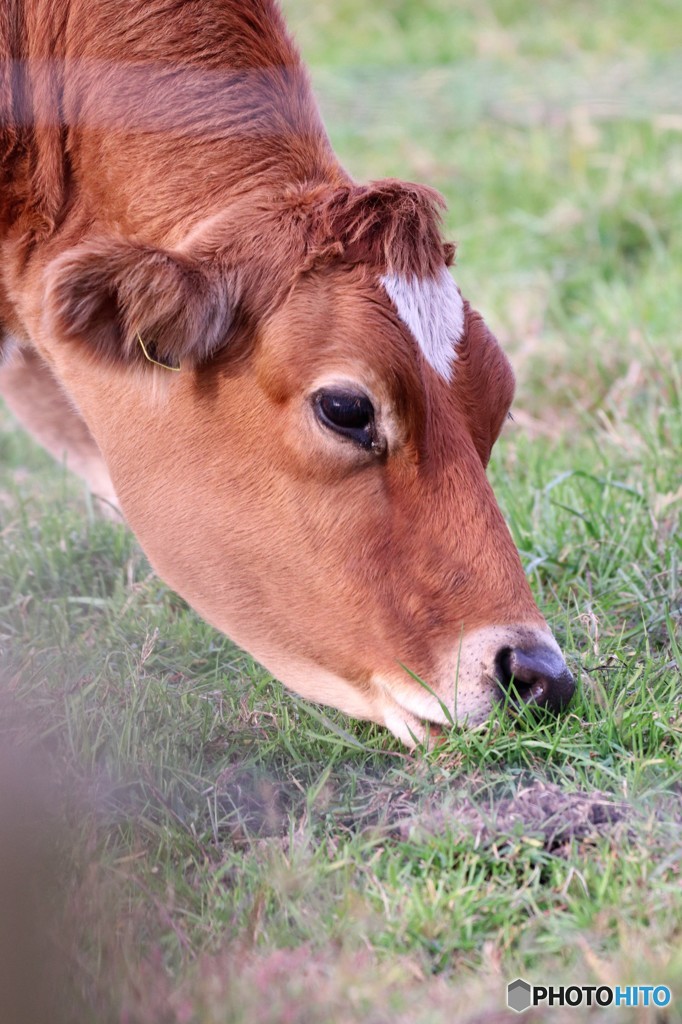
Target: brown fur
(166, 176)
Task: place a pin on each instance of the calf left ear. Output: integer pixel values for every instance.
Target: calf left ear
(109, 294)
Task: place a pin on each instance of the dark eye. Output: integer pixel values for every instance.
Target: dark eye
(349, 414)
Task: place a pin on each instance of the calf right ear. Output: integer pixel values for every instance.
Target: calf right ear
(108, 294)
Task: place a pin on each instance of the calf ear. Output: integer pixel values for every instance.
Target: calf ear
(109, 294)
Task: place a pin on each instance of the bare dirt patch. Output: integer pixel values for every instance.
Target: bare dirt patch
(539, 810)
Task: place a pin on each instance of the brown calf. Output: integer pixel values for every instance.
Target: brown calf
(267, 365)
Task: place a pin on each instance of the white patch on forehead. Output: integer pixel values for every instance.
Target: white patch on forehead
(433, 309)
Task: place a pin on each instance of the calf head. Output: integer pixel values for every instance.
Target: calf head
(313, 479)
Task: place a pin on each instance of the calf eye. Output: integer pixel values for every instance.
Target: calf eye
(349, 414)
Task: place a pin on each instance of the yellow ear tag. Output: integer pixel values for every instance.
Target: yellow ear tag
(164, 366)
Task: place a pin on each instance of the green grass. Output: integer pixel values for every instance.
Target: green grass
(222, 851)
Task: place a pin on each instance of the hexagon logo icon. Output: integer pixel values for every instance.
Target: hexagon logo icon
(518, 995)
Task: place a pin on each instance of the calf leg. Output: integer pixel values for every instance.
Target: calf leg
(38, 402)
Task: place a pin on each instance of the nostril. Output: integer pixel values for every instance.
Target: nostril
(538, 676)
(536, 693)
(532, 691)
(503, 670)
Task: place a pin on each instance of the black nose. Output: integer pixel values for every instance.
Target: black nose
(536, 676)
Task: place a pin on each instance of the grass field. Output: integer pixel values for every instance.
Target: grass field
(211, 849)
